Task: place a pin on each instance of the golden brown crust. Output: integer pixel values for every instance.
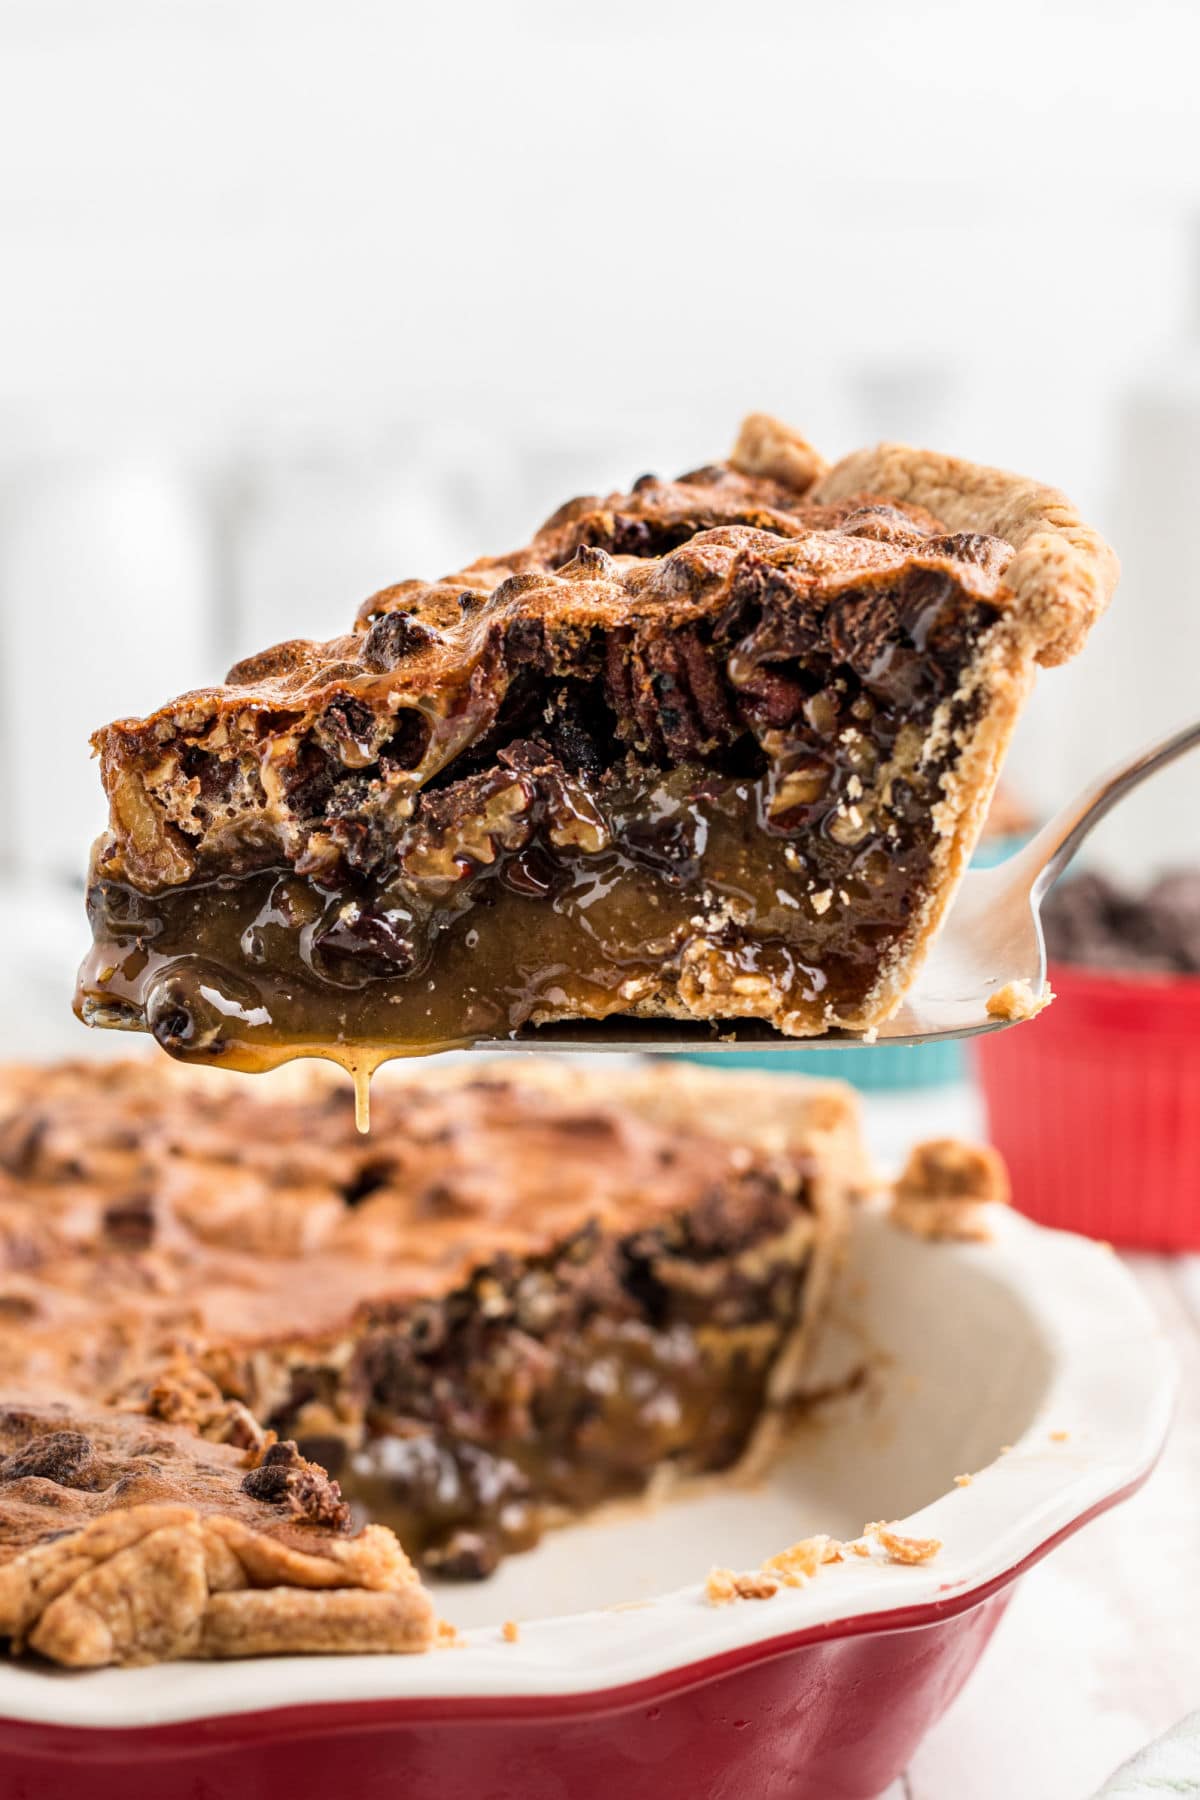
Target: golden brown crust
(1016, 1001)
(767, 447)
(1063, 574)
(126, 1541)
(903, 1549)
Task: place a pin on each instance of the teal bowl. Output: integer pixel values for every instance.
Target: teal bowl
(879, 1068)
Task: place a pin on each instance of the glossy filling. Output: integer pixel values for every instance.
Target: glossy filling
(543, 1390)
(546, 886)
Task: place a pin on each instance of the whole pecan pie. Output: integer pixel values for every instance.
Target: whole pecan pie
(715, 748)
(240, 1344)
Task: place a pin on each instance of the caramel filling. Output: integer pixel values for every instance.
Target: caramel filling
(690, 898)
(738, 821)
(546, 1390)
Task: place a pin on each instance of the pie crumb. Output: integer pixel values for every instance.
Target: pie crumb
(446, 1636)
(1016, 1000)
(963, 1480)
(1059, 1437)
(944, 1189)
(510, 1631)
(723, 1586)
(797, 1565)
(903, 1549)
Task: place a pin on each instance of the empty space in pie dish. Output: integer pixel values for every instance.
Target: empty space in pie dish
(932, 1361)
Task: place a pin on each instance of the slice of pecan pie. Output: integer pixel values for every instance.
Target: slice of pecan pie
(716, 748)
(523, 1297)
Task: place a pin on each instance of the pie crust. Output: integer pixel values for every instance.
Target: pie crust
(127, 1541)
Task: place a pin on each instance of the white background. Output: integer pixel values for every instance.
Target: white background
(301, 298)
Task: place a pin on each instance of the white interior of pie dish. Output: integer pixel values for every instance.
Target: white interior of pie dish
(970, 1347)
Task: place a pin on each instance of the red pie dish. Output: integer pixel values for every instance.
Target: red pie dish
(597, 1663)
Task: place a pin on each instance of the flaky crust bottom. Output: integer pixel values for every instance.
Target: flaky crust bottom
(157, 1582)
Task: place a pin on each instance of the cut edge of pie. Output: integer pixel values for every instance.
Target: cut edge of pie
(627, 716)
(189, 1461)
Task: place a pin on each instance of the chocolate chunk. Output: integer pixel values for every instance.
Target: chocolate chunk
(860, 627)
(392, 638)
(348, 727)
(285, 1478)
(61, 1456)
(311, 780)
(361, 939)
(129, 1224)
(525, 642)
(465, 1556)
(770, 698)
(1091, 920)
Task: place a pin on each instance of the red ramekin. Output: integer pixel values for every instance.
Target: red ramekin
(1096, 1107)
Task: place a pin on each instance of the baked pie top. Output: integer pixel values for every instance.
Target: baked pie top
(426, 667)
(190, 1265)
(142, 1208)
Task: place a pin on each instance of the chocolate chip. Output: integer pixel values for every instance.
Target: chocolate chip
(427, 1327)
(349, 726)
(129, 1223)
(326, 1451)
(1090, 920)
(184, 1017)
(532, 872)
(860, 627)
(362, 939)
(59, 1456)
(310, 781)
(592, 558)
(524, 642)
(465, 1556)
(574, 745)
(630, 537)
(770, 698)
(393, 637)
(406, 747)
(284, 1478)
